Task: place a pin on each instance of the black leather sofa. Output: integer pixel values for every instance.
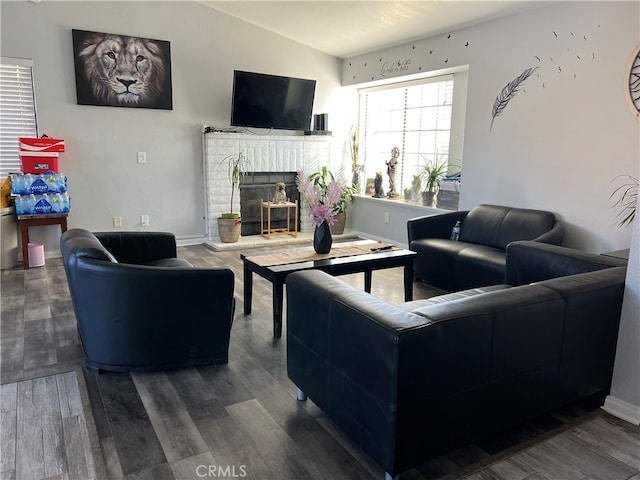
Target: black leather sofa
(139, 307)
(410, 382)
(479, 256)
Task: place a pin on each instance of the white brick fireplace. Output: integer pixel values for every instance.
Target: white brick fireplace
(266, 153)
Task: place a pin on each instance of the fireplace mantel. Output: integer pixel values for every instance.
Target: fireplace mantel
(266, 153)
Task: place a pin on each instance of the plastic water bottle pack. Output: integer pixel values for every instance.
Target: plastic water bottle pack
(32, 183)
(43, 204)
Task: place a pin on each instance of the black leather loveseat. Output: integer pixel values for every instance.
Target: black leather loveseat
(139, 307)
(410, 382)
(479, 256)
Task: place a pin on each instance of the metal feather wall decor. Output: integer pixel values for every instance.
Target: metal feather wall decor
(509, 91)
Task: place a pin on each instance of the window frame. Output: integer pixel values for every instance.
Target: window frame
(456, 131)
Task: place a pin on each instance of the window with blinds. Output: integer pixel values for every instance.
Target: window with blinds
(17, 110)
(414, 117)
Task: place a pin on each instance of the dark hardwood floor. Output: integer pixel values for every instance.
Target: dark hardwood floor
(239, 420)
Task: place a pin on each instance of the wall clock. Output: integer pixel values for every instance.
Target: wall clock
(632, 82)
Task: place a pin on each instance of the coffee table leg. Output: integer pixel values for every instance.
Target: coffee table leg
(248, 289)
(408, 282)
(367, 281)
(278, 289)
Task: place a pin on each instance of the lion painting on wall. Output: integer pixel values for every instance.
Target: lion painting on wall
(122, 71)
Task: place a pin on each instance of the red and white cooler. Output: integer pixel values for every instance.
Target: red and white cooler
(39, 162)
(40, 155)
(43, 144)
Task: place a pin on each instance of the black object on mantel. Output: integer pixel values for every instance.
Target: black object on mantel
(317, 132)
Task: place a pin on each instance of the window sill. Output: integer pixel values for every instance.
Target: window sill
(420, 209)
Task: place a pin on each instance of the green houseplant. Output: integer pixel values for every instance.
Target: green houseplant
(432, 172)
(229, 222)
(625, 198)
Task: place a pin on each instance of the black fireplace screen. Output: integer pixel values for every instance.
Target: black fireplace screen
(259, 186)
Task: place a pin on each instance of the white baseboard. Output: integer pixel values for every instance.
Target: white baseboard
(621, 409)
(185, 241)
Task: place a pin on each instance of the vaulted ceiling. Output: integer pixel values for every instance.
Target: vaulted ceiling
(349, 28)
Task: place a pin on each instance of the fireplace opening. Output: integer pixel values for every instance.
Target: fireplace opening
(257, 186)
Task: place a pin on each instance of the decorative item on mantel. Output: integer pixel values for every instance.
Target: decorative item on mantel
(280, 195)
(322, 208)
(229, 223)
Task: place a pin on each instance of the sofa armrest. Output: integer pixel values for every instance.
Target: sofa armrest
(139, 247)
(531, 261)
(553, 236)
(433, 226)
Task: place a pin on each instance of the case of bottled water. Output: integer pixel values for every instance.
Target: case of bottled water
(45, 203)
(30, 183)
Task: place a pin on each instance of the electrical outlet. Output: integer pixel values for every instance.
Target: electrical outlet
(117, 222)
(142, 157)
(387, 217)
(144, 220)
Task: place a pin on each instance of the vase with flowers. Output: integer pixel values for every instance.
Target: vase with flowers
(323, 208)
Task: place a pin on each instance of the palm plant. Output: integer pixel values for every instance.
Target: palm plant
(432, 172)
(626, 200)
(238, 166)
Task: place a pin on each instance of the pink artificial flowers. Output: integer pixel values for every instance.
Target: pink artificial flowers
(322, 204)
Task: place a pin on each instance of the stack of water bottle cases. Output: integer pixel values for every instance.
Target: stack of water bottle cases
(38, 191)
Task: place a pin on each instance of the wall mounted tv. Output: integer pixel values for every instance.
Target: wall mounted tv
(271, 101)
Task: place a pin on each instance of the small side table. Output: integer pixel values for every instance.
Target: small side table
(268, 206)
(27, 221)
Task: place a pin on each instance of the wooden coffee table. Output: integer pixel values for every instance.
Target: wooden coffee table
(344, 258)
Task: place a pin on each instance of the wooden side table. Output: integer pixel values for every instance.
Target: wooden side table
(27, 221)
(268, 206)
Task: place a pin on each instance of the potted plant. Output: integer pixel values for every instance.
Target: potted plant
(229, 222)
(626, 200)
(354, 150)
(432, 172)
(323, 179)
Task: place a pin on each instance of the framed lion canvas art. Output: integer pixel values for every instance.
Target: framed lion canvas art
(122, 71)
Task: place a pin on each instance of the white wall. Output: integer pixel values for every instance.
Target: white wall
(559, 142)
(105, 179)
(624, 400)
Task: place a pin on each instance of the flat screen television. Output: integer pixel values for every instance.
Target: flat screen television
(271, 101)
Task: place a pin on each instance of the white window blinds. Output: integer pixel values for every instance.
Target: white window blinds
(414, 117)
(17, 110)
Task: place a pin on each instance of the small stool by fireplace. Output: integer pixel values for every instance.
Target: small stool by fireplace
(268, 206)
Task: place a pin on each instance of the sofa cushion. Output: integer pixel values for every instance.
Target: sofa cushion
(435, 260)
(479, 265)
(497, 226)
(170, 262)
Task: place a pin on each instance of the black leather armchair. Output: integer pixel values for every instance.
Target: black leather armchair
(479, 256)
(139, 307)
(410, 382)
